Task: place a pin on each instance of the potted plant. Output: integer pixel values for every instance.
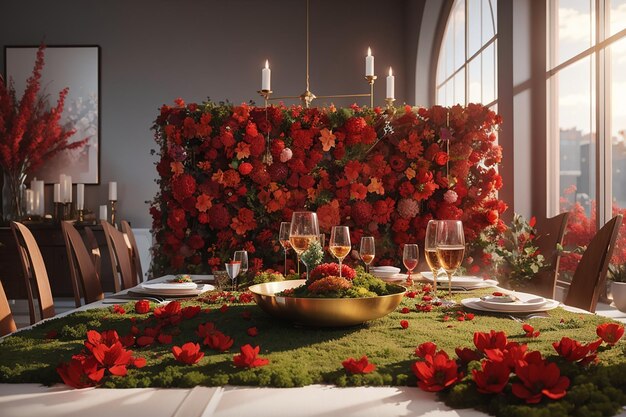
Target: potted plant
(617, 274)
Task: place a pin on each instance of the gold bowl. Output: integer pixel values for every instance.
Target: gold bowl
(322, 312)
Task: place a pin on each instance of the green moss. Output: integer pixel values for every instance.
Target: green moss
(302, 355)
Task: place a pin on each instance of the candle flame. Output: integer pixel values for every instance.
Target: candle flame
(267, 64)
(390, 72)
(369, 51)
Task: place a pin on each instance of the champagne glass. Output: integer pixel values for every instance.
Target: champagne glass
(303, 231)
(232, 268)
(283, 238)
(450, 241)
(242, 257)
(410, 258)
(339, 244)
(367, 251)
(430, 251)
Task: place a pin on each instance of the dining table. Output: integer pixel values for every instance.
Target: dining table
(319, 400)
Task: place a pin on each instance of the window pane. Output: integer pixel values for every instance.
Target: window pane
(458, 16)
(459, 88)
(489, 75)
(449, 49)
(488, 28)
(575, 31)
(441, 95)
(475, 84)
(441, 66)
(473, 26)
(449, 93)
(618, 16)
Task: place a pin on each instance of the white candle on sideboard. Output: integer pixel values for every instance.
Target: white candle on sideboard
(68, 189)
(266, 77)
(390, 84)
(113, 191)
(30, 201)
(38, 193)
(80, 196)
(369, 63)
(103, 212)
(57, 193)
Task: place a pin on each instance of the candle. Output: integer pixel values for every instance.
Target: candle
(103, 212)
(68, 189)
(112, 191)
(38, 194)
(369, 63)
(390, 84)
(57, 193)
(80, 196)
(266, 76)
(30, 201)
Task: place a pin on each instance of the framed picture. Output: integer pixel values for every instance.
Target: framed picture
(76, 67)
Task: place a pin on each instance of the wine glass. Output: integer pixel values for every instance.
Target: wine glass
(367, 251)
(283, 238)
(339, 244)
(232, 269)
(303, 231)
(450, 241)
(410, 258)
(242, 257)
(430, 251)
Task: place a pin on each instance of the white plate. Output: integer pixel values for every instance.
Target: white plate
(476, 304)
(469, 282)
(523, 302)
(165, 285)
(174, 292)
(393, 269)
(393, 278)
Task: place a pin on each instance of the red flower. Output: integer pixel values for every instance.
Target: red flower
(188, 354)
(466, 355)
(249, 357)
(332, 269)
(530, 330)
(118, 309)
(217, 340)
(611, 333)
(114, 358)
(362, 366)
(426, 348)
(245, 168)
(405, 310)
(80, 372)
(491, 340)
(142, 307)
(436, 372)
(190, 312)
(539, 379)
(164, 339)
(492, 378)
(573, 351)
(205, 329)
(224, 308)
(404, 324)
(170, 309)
(252, 331)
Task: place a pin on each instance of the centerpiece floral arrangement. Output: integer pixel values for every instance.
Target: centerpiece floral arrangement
(30, 134)
(324, 282)
(228, 176)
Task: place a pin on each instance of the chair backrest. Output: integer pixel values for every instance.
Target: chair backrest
(128, 231)
(124, 275)
(7, 324)
(94, 250)
(590, 274)
(550, 232)
(35, 273)
(82, 269)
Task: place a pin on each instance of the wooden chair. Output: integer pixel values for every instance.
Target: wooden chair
(82, 270)
(136, 259)
(35, 273)
(94, 250)
(590, 274)
(124, 275)
(550, 232)
(7, 324)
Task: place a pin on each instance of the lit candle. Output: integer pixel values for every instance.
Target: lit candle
(103, 212)
(112, 191)
(80, 196)
(390, 84)
(369, 63)
(266, 76)
(57, 193)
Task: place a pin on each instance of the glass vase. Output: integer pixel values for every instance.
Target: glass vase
(13, 189)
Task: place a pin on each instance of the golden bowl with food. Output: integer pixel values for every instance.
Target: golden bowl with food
(322, 312)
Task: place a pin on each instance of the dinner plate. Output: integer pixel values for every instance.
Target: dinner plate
(385, 272)
(521, 302)
(168, 285)
(464, 281)
(476, 304)
(170, 291)
(392, 278)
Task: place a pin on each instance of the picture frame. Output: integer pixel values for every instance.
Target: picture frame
(76, 67)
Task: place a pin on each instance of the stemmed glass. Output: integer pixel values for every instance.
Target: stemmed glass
(339, 244)
(283, 238)
(367, 251)
(450, 241)
(410, 258)
(430, 251)
(303, 231)
(232, 268)
(242, 257)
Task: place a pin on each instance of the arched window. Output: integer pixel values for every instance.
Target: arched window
(466, 67)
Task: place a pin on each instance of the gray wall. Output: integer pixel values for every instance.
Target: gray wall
(154, 51)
